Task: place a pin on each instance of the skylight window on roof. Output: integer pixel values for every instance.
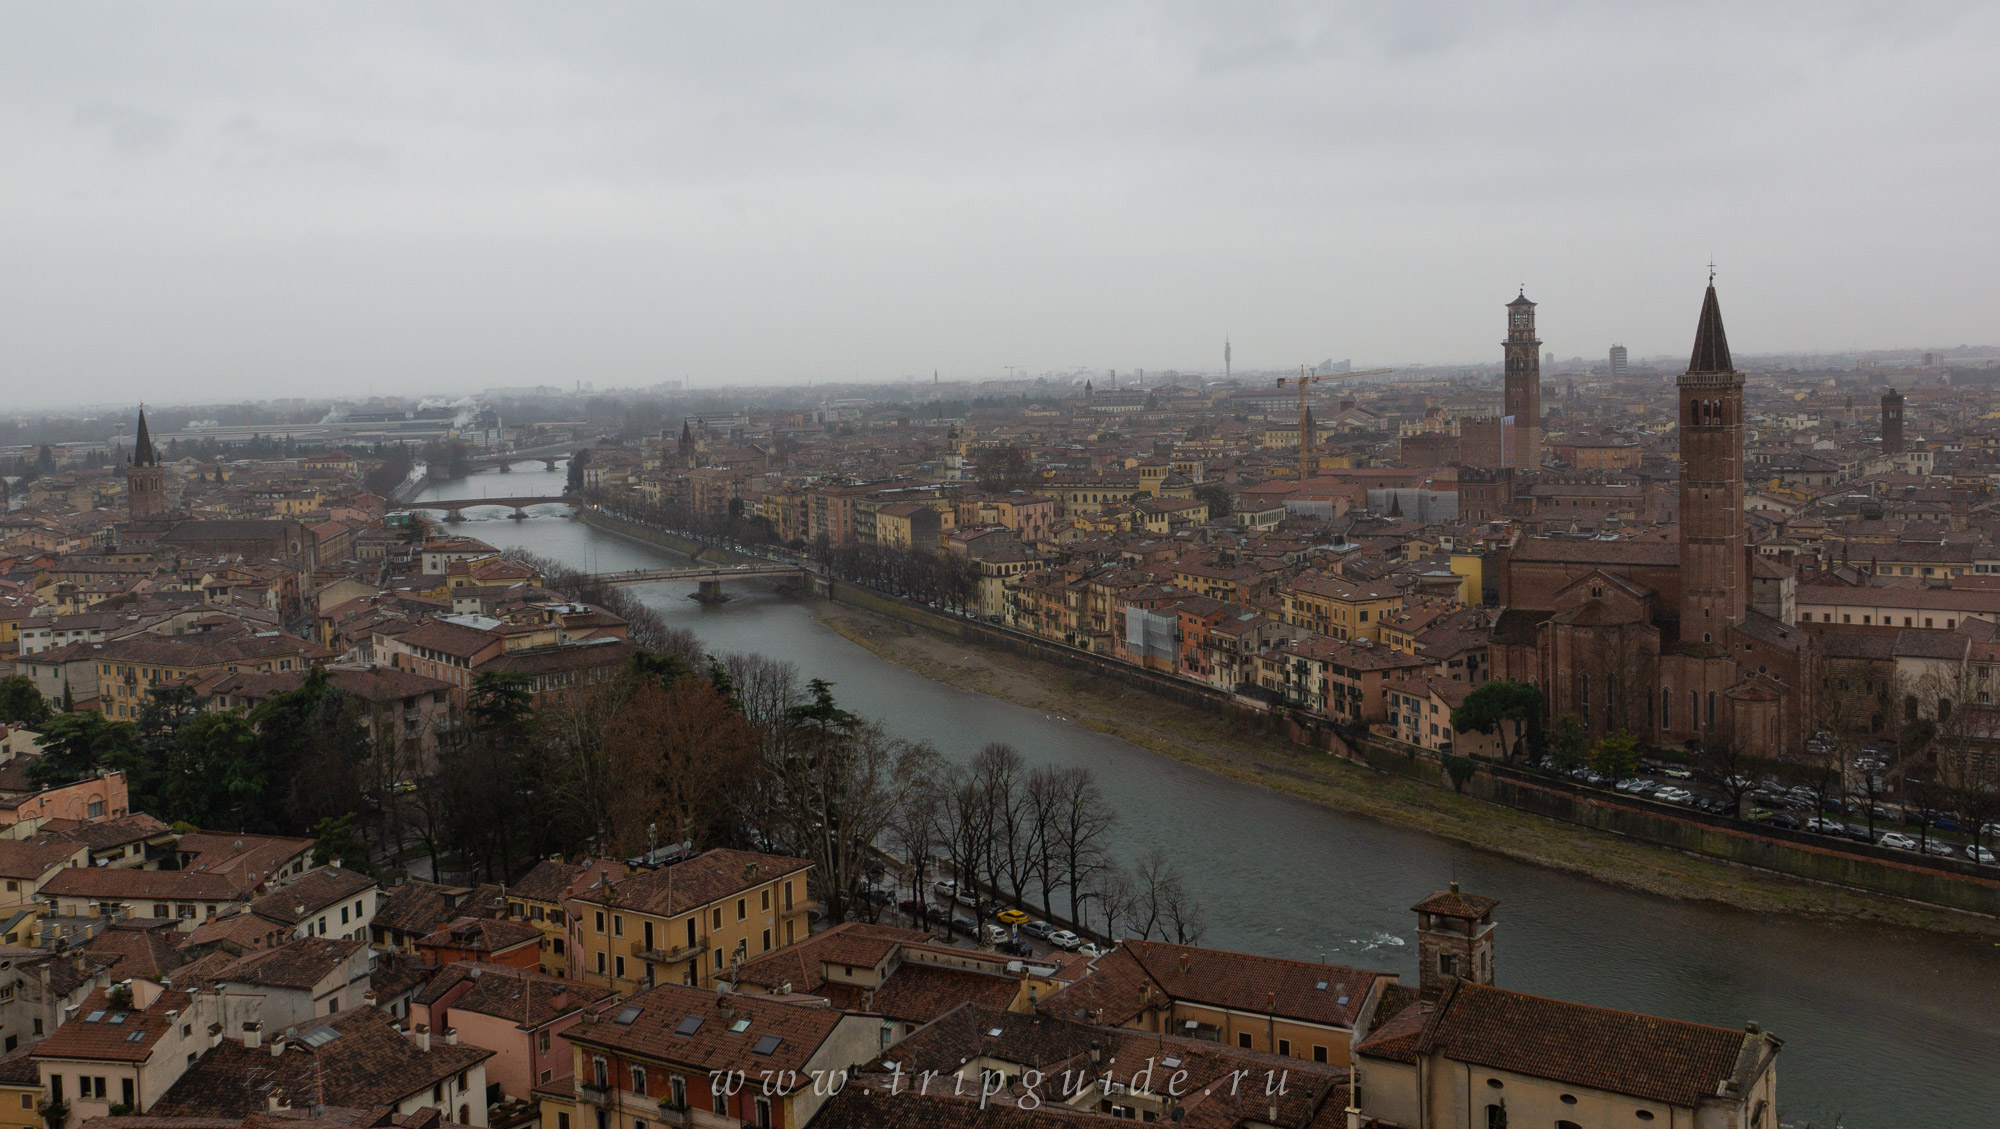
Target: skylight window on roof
(94, 1017)
(766, 1045)
(320, 1036)
(1321, 985)
(689, 1025)
(135, 1037)
(626, 1015)
(741, 1025)
(116, 1017)
(1170, 1063)
(1342, 1001)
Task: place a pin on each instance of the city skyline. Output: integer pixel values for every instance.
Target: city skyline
(228, 201)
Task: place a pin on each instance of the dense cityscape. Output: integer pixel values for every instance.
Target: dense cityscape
(322, 804)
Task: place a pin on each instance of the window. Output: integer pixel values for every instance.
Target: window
(600, 921)
(639, 1080)
(788, 895)
(621, 968)
(677, 1091)
(742, 908)
(542, 1042)
(1284, 1046)
(617, 925)
(767, 899)
(1448, 964)
(600, 963)
(1243, 1039)
(1711, 708)
(718, 918)
(1496, 1117)
(1319, 1053)
(767, 932)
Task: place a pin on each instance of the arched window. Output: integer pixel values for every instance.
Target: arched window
(1910, 708)
(1666, 707)
(1586, 701)
(1711, 709)
(1496, 1117)
(1944, 710)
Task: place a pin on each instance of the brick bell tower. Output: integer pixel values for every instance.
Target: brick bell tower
(1715, 577)
(145, 478)
(1524, 382)
(1454, 940)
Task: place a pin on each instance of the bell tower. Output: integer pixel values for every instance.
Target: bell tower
(1715, 569)
(1454, 940)
(145, 478)
(1524, 382)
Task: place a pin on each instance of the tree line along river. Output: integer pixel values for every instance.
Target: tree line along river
(1884, 1027)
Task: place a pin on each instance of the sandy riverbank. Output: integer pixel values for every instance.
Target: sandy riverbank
(1196, 737)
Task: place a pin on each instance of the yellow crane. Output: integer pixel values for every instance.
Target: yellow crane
(1305, 430)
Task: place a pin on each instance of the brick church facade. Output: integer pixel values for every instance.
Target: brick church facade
(1676, 638)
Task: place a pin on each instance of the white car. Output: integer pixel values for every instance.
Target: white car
(1093, 950)
(1824, 826)
(1979, 854)
(1064, 939)
(1897, 840)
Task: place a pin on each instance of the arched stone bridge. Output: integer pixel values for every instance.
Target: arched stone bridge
(453, 507)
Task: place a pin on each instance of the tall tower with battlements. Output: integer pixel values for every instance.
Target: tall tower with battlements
(1524, 382)
(1715, 568)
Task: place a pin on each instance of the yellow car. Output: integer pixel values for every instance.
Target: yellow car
(1012, 917)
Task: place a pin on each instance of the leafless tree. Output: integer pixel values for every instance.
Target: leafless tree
(916, 827)
(1116, 897)
(1080, 822)
(1162, 906)
(1001, 773)
(966, 827)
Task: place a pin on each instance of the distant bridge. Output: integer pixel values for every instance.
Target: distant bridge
(452, 507)
(708, 577)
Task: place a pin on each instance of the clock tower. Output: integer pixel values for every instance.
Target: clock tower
(1524, 382)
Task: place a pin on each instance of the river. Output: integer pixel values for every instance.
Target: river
(1884, 1027)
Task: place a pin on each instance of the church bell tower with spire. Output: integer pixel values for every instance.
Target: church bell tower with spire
(145, 478)
(1715, 567)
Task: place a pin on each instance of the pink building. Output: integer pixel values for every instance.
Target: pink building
(518, 1014)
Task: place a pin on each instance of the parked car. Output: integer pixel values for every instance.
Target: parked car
(1979, 855)
(1064, 939)
(1858, 833)
(1038, 928)
(1824, 826)
(911, 905)
(1012, 917)
(1759, 815)
(1093, 950)
(994, 934)
(1788, 822)
(965, 925)
(1937, 847)
(1897, 840)
(1015, 948)
(1677, 772)
(945, 888)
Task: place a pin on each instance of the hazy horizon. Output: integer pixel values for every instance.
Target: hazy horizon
(226, 201)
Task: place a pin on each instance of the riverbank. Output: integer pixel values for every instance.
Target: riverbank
(1200, 738)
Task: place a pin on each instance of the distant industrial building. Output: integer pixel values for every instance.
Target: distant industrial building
(1617, 360)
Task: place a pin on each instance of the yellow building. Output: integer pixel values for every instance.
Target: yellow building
(688, 923)
(1329, 605)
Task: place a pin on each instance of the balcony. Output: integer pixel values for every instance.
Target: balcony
(667, 956)
(601, 1094)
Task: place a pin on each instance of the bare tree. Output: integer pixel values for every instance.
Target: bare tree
(915, 828)
(1082, 821)
(1116, 897)
(1001, 773)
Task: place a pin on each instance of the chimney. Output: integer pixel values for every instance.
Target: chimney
(451, 1036)
(253, 1035)
(421, 1036)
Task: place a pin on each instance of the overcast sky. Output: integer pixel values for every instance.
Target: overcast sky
(207, 201)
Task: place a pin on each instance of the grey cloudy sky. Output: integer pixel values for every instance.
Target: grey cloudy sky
(213, 200)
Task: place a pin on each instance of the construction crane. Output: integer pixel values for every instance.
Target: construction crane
(1305, 428)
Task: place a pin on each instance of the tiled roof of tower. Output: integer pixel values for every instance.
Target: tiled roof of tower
(1522, 300)
(1711, 345)
(1451, 903)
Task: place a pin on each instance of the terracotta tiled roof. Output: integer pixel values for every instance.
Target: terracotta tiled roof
(705, 878)
(550, 877)
(919, 993)
(116, 884)
(107, 1041)
(148, 952)
(655, 1016)
(485, 935)
(1451, 903)
(852, 943)
(1619, 1052)
(367, 1063)
(299, 964)
(31, 858)
(415, 906)
(1141, 974)
(309, 893)
(525, 998)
